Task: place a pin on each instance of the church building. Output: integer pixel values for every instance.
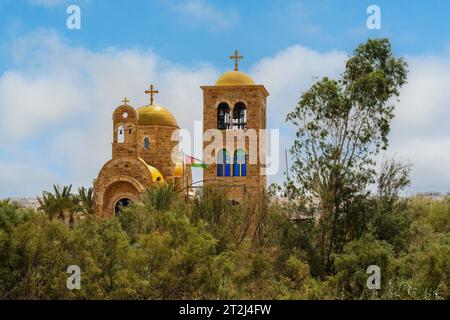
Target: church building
(142, 147)
(141, 156)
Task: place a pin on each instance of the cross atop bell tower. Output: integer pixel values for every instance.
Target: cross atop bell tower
(235, 107)
(151, 92)
(236, 57)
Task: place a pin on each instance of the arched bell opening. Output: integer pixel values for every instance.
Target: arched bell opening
(223, 116)
(240, 116)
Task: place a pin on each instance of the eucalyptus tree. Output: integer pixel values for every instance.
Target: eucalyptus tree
(342, 125)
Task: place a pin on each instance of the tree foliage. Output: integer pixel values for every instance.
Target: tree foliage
(342, 125)
(176, 253)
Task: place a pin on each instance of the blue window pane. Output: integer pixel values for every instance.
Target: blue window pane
(227, 170)
(243, 170)
(236, 170)
(220, 170)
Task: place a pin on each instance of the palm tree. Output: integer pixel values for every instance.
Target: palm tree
(86, 197)
(48, 205)
(59, 204)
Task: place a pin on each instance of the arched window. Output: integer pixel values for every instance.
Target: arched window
(240, 116)
(122, 203)
(223, 164)
(121, 134)
(240, 163)
(146, 143)
(223, 116)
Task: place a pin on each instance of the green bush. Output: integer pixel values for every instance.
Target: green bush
(210, 249)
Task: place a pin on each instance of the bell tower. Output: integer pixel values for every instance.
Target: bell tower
(125, 120)
(235, 108)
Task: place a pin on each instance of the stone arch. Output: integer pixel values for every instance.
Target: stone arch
(218, 102)
(118, 188)
(136, 166)
(240, 115)
(114, 201)
(223, 116)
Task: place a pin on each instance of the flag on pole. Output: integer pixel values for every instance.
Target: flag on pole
(194, 162)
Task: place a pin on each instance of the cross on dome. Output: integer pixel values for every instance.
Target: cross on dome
(236, 57)
(151, 92)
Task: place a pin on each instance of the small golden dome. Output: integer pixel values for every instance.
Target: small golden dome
(155, 174)
(156, 115)
(234, 78)
(178, 170)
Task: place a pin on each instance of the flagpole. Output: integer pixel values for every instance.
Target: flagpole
(287, 165)
(182, 177)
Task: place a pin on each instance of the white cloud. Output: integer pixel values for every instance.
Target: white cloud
(420, 131)
(196, 12)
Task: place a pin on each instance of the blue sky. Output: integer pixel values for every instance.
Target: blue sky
(258, 28)
(61, 86)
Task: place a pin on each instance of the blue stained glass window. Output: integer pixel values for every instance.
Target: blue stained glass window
(223, 164)
(227, 170)
(240, 163)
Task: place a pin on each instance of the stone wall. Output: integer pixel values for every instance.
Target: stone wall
(159, 154)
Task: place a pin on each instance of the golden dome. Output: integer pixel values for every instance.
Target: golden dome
(178, 170)
(155, 174)
(156, 115)
(234, 78)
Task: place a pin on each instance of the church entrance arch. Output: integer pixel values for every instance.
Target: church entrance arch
(119, 194)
